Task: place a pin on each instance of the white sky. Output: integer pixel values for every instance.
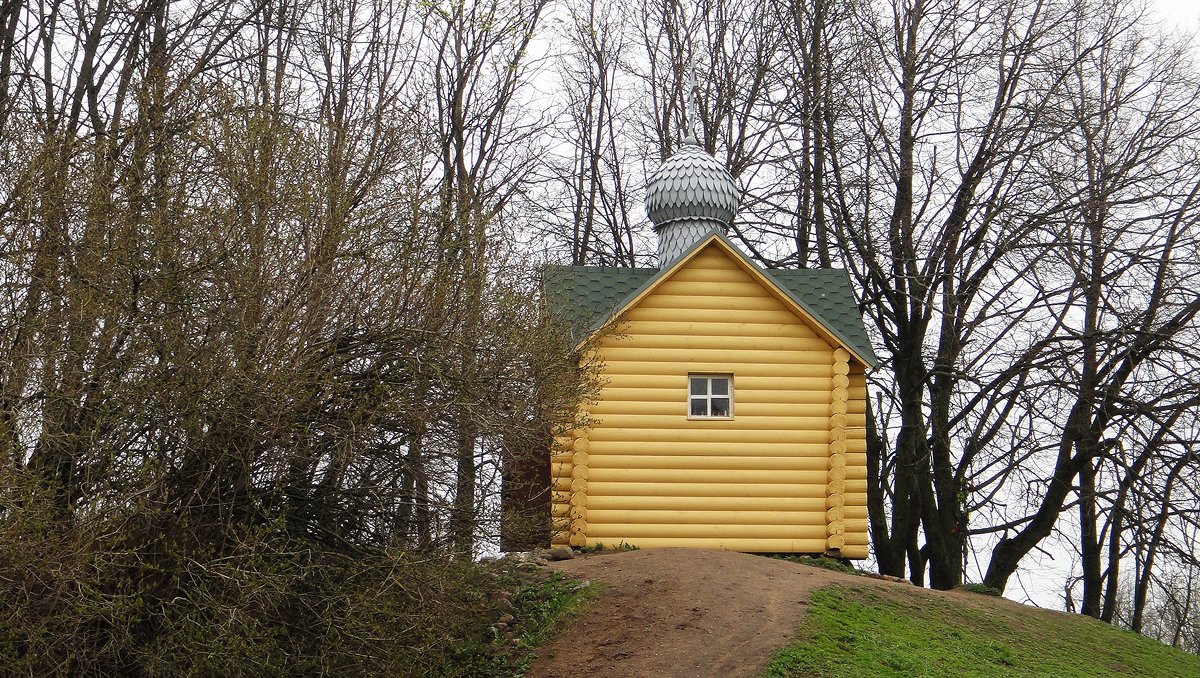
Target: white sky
(1179, 13)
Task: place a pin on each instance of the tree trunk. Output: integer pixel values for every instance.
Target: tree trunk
(1089, 542)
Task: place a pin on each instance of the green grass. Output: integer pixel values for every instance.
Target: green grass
(857, 631)
(819, 561)
(607, 548)
(983, 589)
(545, 604)
(547, 607)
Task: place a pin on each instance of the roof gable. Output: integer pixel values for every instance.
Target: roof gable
(587, 297)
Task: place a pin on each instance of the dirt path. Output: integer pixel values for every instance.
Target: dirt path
(683, 612)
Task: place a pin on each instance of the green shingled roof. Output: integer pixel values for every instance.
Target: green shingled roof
(585, 297)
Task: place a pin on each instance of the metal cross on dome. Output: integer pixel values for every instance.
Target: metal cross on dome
(691, 108)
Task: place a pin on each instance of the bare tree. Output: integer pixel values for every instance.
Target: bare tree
(1129, 190)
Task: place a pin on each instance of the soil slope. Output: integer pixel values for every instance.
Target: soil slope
(683, 612)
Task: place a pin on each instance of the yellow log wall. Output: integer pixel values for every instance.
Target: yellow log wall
(786, 474)
(855, 498)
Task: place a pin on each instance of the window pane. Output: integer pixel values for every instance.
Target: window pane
(720, 386)
(699, 386)
(699, 407)
(720, 407)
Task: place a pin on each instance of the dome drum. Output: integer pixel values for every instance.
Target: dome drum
(691, 194)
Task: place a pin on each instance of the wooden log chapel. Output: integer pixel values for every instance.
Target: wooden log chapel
(732, 408)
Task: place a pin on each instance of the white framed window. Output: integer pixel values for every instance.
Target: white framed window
(710, 396)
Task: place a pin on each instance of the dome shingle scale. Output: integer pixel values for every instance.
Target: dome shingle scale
(691, 184)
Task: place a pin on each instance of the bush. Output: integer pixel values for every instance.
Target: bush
(983, 589)
(89, 600)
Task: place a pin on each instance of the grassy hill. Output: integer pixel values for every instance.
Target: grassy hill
(901, 631)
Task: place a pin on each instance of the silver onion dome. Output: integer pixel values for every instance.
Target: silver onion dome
(691, 194)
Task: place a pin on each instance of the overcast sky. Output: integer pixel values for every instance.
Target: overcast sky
(1181, 12)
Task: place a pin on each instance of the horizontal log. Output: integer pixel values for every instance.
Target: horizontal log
(771, 317)
(745, 287)
(697, 272)
(814, 546)
(744, 404)
(817, 361)
(713, 257)
(788, 330)
(737, 368)
(619, 516)
(854, 551)
(856, 513)
(706, 432)
(677, 380)
(710, 448)
(710, 462)
(658, 300)
(610, 475)
(560, 538)
(635, 338)
(857, 539)
(559, 510)
(561, 484)
(608, 398)
(740, 422)
(689, 530)
(855, 525)
(671, 503)
(720, 489)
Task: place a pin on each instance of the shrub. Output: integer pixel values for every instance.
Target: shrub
(983, 589)
(89, 600)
